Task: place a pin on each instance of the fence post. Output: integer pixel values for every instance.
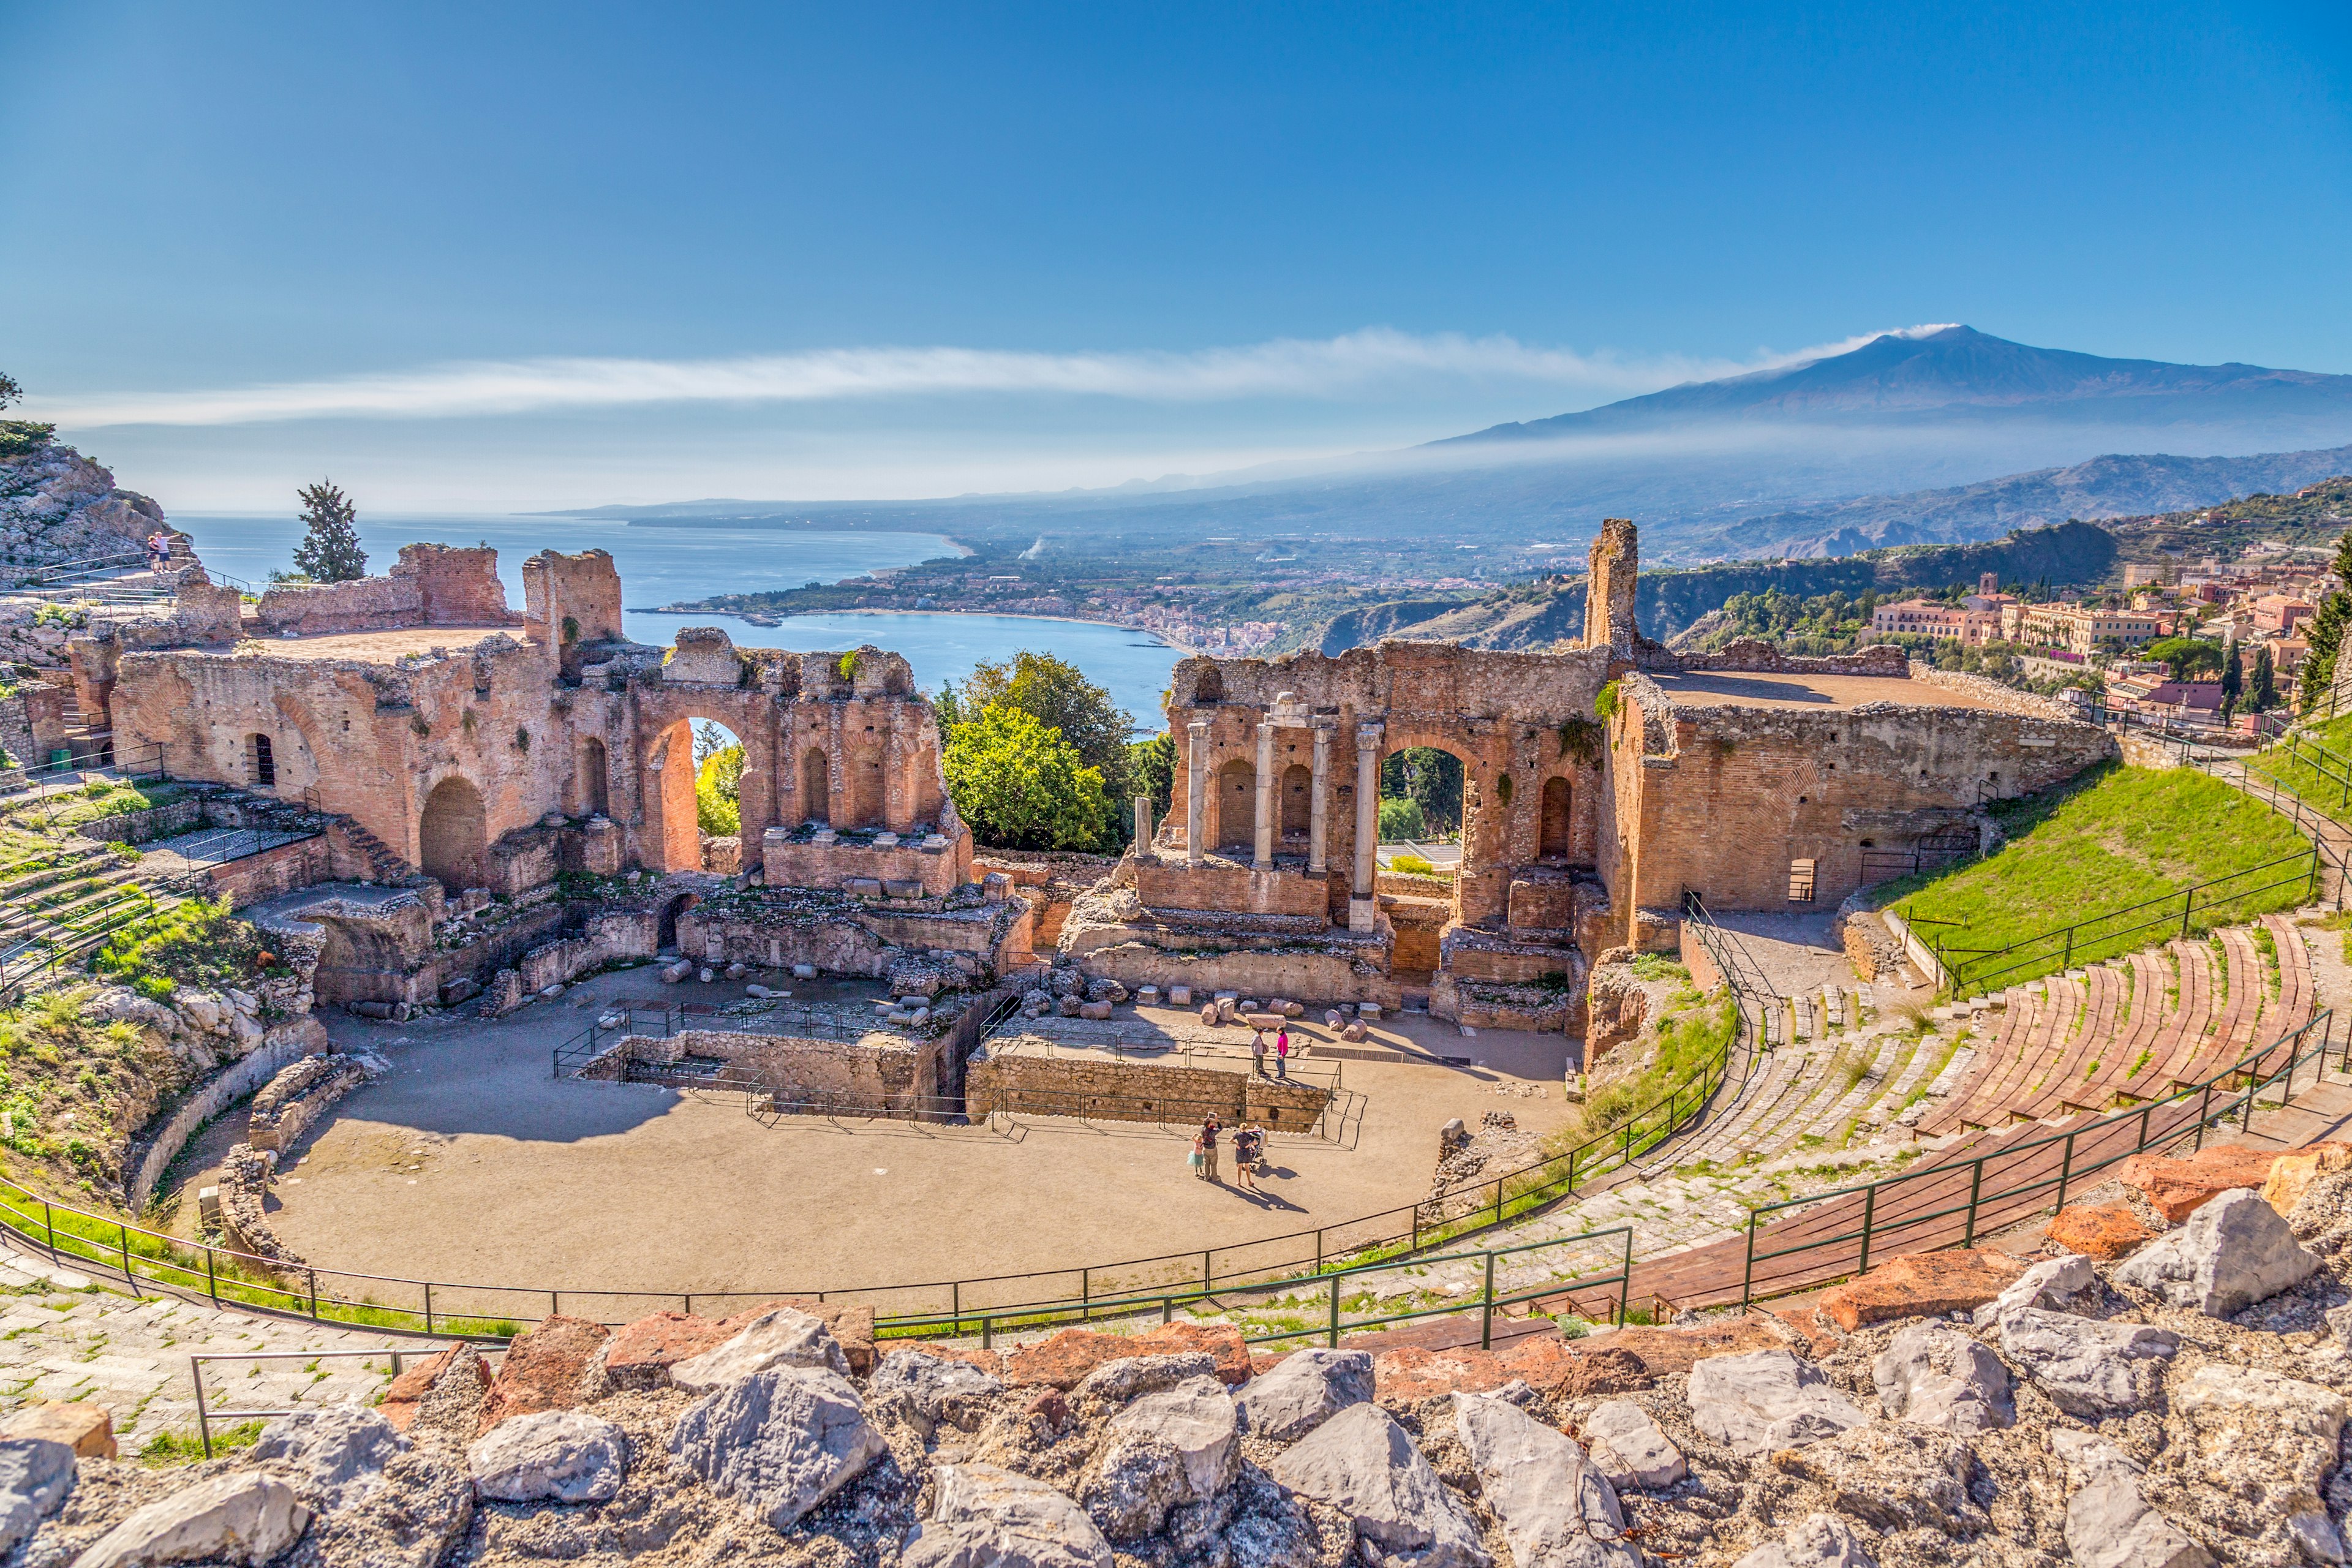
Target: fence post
(1869, 1210)
(127, 1277)
(1334, 1312)
(1625, 1277)
(1498, 1200)
(2065, 1170)
(212, 1279)
(428, 1306)
(203, 1422)
(314, 1295)
(1204, 1273)
(1486, 1309)
(1747, 1274)
(955, 1305)
(1976, 1186)
(49, 1221)
(2188, 901)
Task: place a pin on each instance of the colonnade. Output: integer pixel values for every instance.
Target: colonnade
(1322, 728)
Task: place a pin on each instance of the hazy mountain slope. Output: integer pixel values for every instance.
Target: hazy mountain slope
(2111, 485)
(1666, 602)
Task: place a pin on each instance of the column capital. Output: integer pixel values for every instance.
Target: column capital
(1198, 726)
(1368, 736)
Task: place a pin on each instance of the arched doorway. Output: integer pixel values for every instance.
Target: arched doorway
(1553, 834)
(1298, 800)
(451, 835)
(816, 787)
(1237, 806)
(863, 775)
(594, 775)
(699, 764)
(260, 762)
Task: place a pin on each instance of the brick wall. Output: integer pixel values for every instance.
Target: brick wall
(880, 1075)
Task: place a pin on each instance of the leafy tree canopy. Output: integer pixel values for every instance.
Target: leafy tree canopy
(329, 551)
(2185, 658)
(1057, 694)
(1021, 786)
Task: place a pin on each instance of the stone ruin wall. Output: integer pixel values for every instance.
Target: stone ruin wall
(1721, 799)
(432, 585)
(887, 1074)
(1052, 1085)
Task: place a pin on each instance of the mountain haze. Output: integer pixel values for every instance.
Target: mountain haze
(1942, 435)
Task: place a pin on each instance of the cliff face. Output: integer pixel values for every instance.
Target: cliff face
(55, 505)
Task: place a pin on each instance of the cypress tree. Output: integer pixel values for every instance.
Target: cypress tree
(2265, 684)
(329, 551)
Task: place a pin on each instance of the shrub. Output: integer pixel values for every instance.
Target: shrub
(1401, 820)
(1412, 866)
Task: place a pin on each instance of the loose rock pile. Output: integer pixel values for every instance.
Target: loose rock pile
(2184, 1406)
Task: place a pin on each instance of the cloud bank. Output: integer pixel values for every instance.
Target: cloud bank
(1352, 363)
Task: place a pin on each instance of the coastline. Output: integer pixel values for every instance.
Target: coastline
(1186, 649)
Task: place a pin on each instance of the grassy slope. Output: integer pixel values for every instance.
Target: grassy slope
(2116, 837)
(2323, 780)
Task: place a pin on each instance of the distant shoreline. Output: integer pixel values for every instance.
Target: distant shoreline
(1187, 649)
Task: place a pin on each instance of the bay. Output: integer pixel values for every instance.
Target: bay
(669, 565)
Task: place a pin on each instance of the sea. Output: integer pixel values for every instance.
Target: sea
(666, 565)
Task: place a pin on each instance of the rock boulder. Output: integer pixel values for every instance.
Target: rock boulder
(2233, 1252)
(1363, 1464)
(1304, 1389)
(1768, 1399)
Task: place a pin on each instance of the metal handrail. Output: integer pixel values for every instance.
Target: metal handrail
(2249, 1066)
(181, 1264)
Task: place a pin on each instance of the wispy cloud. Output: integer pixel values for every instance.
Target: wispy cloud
(1294, 368)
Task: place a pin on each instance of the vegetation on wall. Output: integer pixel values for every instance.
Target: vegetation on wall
(197, 942)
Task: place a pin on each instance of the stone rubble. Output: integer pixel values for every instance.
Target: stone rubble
(2079, 1417)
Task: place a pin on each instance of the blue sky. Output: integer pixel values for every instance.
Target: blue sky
(1148, 239)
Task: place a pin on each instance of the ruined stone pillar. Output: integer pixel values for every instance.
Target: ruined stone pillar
(1368, 825)
(1263, 860)
(1143, 826)
(1318, 813)
(1196, 790)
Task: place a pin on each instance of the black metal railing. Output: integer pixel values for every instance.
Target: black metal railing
(397, 1304)
(1973, 971)
(2001, 1179)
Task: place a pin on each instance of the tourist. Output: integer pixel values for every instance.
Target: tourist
(1282, 1053)
(1208, 1146)
(1195, 1160)
(1257, 1053)
(159, 551)
(1249, 1144)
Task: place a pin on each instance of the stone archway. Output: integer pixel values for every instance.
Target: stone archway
(596, 769)
(452, 836)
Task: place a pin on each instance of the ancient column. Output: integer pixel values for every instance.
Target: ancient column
(1143, 826)
(1367, 824)
(1263, 860)
(1318, 816)
(1196, 790)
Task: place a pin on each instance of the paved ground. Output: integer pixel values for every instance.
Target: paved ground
(467, 1162)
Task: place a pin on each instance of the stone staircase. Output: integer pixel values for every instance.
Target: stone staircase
(383, 865)
(60, 898)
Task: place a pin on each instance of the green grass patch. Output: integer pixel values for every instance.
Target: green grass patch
(186, 1448)
(2085, 852)
(2319, 767)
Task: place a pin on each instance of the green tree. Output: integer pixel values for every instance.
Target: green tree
(1431, 780)
(1399, 820)
(2318, 673)
(10, 392)
(719, 792)
(329, 551)
(1057, 694)
(2264, 696)
(1021, 786)
(1152, 765)
(2185, 657)
(2234, 681)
